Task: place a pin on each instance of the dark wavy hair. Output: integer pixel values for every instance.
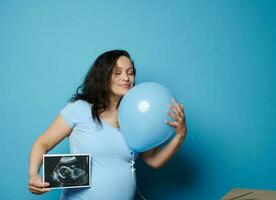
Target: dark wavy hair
(96, 87)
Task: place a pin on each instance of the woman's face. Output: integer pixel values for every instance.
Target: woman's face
(122, 77)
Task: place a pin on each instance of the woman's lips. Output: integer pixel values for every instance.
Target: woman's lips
(125, 86)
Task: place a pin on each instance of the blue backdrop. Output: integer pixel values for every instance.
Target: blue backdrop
(217, 58)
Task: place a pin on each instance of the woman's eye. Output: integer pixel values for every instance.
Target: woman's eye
(130, 73)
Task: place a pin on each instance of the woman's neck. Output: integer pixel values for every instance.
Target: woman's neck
(114, 100)
(110, 115)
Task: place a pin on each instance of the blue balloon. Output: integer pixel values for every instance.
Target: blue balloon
(142, 115)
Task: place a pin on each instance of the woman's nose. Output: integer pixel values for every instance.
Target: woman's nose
(125, 76)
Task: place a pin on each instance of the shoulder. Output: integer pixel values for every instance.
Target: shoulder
(79, 103)
(76, 106)
(76, 111)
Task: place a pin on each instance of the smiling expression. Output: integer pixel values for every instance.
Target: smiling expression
(122, 77)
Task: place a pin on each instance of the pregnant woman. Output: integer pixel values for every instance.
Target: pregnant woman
(90, 121)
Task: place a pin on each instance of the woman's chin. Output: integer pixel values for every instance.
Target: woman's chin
(121, 93)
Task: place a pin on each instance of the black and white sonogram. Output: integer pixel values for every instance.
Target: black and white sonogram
(66, 170)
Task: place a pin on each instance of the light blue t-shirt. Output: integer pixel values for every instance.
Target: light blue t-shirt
(111, 175)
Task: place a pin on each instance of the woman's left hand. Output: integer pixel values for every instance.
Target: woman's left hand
(177, 114)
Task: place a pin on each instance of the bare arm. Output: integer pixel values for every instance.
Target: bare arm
(55, 133)
(157, 157)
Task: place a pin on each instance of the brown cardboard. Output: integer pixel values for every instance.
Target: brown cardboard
(250, 194)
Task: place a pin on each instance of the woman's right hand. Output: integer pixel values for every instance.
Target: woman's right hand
(36, 186)
(54, 134)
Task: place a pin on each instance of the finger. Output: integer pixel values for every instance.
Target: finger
(172, 124)
(35, 191)
(178, 107)
(47, 189)
(173, 109)
(39, 184)
(182, 111)
(171, 115)
(38, 190)
(176, 117)
(46, 184)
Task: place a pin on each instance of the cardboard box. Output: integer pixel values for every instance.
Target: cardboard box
(250, 194)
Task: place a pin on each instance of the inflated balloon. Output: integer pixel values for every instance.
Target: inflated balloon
(142, 115)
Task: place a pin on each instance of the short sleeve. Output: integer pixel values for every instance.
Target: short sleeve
(70, 113)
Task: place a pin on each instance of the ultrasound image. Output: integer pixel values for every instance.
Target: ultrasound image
(67, 171)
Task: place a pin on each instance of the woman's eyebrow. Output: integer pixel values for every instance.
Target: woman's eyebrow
(118, 67)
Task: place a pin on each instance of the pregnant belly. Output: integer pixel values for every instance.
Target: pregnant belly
(107, 183)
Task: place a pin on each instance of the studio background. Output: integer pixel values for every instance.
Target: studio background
(216, 57)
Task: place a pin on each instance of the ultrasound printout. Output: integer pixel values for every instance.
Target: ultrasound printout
(66, 170)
